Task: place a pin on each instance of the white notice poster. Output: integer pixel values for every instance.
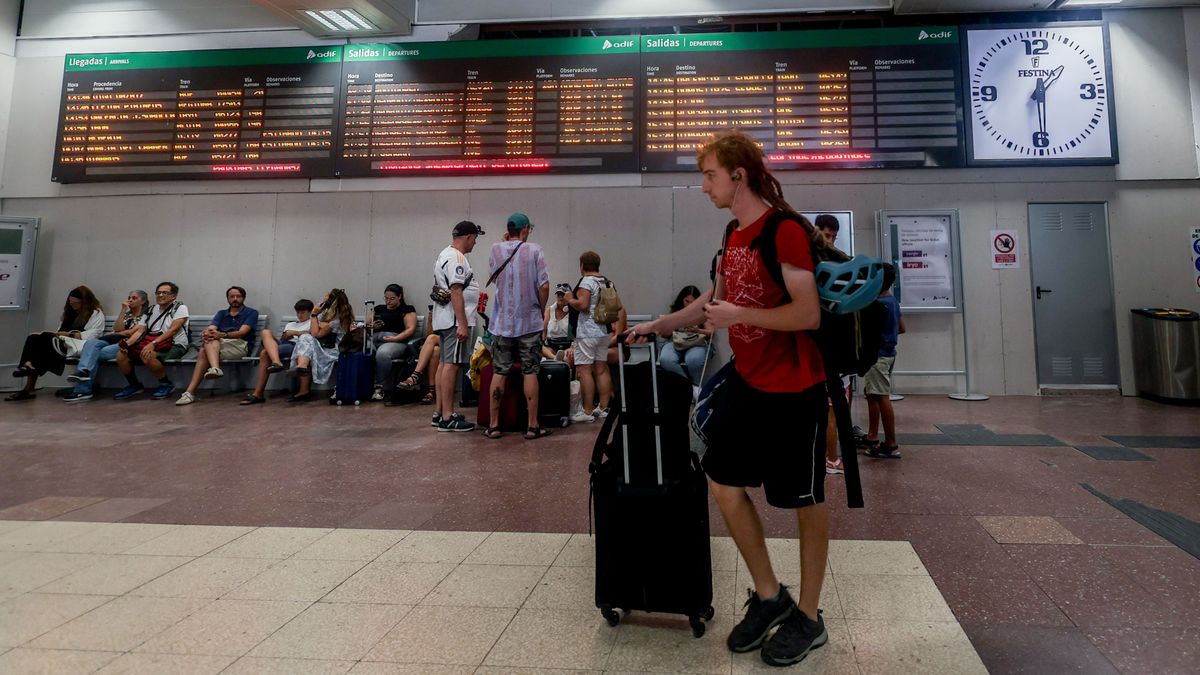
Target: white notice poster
(925, 274)
(1006, 255)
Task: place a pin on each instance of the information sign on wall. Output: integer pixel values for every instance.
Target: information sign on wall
(923, 245)
(1005, 250)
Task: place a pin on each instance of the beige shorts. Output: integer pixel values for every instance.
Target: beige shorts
(233, 348)
(878, 380)
(591, 350)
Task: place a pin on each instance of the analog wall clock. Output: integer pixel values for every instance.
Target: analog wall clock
(1040, 95)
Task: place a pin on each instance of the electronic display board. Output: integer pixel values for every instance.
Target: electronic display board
(856, 98)
(198, 114)
(552, 105)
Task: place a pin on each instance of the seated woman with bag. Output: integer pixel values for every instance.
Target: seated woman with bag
(687, 350)
(317, 350)
(106, 347)
(557, 335)
(162, 337)
(82, 319)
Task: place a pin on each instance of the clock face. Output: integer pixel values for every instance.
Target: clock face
(1040, 95)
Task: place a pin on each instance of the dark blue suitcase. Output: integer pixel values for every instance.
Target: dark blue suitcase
(355, 380)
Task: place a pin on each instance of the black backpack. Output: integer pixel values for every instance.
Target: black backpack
(849, 343)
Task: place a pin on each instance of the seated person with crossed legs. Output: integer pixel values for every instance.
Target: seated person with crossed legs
(276, 351)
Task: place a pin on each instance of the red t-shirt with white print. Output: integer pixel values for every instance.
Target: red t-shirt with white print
(769, 360)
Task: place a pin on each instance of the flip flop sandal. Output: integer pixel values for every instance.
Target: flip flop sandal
(252, 399)
(534, 433)
(492, 433)
(275, 368)
(429, 398)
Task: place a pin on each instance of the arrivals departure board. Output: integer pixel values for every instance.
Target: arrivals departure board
(198, 114)
(859, 98)
(497, 106)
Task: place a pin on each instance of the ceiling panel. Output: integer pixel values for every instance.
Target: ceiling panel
(969, 6)
(473, 11)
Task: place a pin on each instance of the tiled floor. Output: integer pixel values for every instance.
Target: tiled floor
(135, 598)
(359, 510)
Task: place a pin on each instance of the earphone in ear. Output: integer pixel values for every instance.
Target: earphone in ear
(737, 176)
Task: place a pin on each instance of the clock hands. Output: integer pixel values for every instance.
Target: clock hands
(1039, 95)
(1054, 74)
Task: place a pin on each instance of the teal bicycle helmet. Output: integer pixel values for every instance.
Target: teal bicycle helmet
(849, 286)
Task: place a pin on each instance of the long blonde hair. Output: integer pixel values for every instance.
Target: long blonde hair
(339, 308)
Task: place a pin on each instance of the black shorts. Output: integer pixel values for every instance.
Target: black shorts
(780, 444)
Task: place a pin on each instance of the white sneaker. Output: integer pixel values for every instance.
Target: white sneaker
(213, 373)
(601, 414)
(582, 417)
(186, 399)
(378, 395)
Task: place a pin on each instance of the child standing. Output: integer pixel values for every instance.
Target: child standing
(877, 384)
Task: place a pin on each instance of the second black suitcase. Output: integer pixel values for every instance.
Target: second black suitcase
(554, 394)
(650, 500)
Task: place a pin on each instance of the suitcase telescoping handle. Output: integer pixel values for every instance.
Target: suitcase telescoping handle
(368, 331)
(653, 345)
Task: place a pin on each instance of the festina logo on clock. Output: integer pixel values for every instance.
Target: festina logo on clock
(1040, 94)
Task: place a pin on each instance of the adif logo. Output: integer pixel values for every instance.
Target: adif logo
(625, 44)
(934, 36)
(321, 55)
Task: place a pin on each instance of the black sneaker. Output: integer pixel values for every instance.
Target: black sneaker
(456, 423)
(435, 420)
(79, 376)
(761, 617)
(795, 638)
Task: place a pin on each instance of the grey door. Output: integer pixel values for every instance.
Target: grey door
(1072, 294)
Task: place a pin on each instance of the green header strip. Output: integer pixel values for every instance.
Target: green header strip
(854, 37)
(417, 51)
(420, 51)
(199, 59)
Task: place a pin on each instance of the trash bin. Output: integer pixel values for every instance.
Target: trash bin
(1166, 353)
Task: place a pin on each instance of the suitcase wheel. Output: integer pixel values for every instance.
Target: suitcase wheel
(358, 402)
(610, 615)
(697, 626)
(564, 421)
(338, 402)
(709, 614)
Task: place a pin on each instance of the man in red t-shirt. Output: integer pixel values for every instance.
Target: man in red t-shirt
(777, 398)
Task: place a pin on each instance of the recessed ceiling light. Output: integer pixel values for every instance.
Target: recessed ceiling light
(1084, 3)
(341, 20)
(354, 16)
(320, 19)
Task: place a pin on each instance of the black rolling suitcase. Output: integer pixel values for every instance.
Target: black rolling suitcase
(650, 500)
(554, 394)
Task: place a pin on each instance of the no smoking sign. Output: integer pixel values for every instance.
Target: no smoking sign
(1005, 253)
